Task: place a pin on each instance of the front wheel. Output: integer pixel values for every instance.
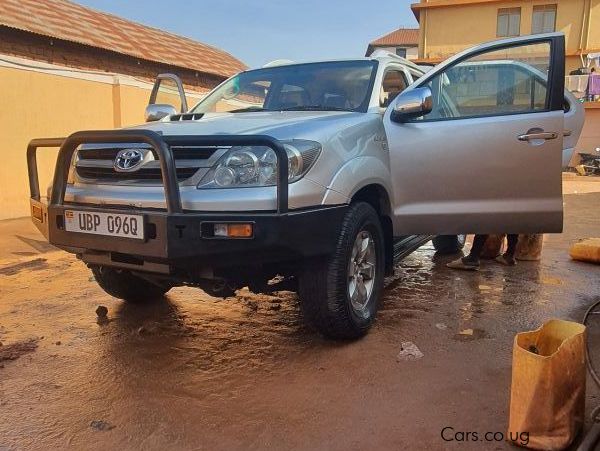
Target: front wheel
(124, 285)
(449, 244)
(340, 295)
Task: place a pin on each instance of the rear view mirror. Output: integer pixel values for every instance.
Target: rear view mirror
(156, 111)
(412, 104)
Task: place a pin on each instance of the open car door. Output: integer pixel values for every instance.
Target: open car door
(476, 143)
(166, 98)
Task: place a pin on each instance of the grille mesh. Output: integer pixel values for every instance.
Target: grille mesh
(150, 174)
(188, 159)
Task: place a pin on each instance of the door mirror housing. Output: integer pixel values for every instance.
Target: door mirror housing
(412, 104)
(157, 111)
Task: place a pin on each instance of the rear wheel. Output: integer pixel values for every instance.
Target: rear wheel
(449, 244)
(340, 295)
(124, 285)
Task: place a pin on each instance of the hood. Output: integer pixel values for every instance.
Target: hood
(278, 124)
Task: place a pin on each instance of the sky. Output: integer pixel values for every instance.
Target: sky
(259, 31)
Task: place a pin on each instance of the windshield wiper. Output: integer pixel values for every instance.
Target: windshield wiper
(314, 108)
(249, 109)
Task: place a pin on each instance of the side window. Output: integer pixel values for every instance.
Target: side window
(499, 82)
(394, 82)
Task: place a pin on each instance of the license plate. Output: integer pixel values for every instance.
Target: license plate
(109, 224)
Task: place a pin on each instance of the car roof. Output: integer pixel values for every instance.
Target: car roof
(382, 56)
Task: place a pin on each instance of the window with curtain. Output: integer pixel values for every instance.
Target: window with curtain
(509, 22)
(544, 19)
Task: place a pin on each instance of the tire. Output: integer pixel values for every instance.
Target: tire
(325, 285)
(449, 244)
(124, 285)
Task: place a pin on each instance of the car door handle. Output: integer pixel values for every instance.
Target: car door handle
(533, 136)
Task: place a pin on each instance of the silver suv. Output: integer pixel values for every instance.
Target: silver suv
(317, 176)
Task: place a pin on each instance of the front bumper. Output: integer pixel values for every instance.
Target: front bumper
(174, 238)
(177, 238)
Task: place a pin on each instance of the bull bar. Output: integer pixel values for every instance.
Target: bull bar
(161, 145)
(174, 233)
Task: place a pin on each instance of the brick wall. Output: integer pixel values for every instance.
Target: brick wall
(50, 50)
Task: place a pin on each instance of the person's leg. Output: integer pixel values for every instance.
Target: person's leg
(471, 261)
(508, 258)
(476, 249)
(512, 245)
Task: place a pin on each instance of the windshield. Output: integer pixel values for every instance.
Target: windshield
(329, 86)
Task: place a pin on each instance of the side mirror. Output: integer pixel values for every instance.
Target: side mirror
(411, 104)
(156, 111)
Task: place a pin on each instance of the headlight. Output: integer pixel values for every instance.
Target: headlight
(246, 166)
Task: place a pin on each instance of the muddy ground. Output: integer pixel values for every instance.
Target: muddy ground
(195, 372)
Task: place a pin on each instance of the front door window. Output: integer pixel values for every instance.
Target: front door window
(500, 82)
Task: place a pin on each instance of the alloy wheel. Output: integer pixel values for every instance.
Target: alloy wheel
(361, 272)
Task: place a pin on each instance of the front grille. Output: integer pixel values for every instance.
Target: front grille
(95, 163)
(153, 174)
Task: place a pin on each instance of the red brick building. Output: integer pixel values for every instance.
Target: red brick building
(65, 33)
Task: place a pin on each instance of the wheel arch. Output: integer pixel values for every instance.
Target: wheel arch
(357, 174)
(377, 196)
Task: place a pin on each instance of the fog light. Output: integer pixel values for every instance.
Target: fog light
(233, 230)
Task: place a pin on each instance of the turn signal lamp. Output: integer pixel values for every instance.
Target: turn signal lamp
(233, 230)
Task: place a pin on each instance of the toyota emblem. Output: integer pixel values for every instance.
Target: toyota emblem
(129, 160)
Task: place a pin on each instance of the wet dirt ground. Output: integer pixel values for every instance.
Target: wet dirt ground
(195, 372)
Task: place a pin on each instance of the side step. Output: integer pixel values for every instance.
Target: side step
(406, 245)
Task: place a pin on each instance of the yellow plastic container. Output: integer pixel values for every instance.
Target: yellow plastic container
(547, 398)
(586, 250)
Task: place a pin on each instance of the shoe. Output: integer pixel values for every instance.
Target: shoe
(464, 265)
(506, 261)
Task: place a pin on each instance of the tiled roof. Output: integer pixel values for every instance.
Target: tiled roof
(62, 19)
(401, 36)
